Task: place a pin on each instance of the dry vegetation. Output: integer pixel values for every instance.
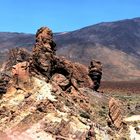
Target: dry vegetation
(125, 88)
(127, 92)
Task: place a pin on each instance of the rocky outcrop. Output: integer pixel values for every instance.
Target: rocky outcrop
(15, 56)
(20, 75)
(115, 113)
(43, 52)
(46, 63)
(4, 79)
(76, 73)
(45, 98)
(39, 112)
(95, 72)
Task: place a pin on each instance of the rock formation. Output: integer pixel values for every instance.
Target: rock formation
(45, 62)
(15, 56)
(43, 52)
(115, 113)
(4, 79)
(48, 98)
(95, 72)
(75, 72)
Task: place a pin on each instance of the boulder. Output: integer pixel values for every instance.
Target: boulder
(60, 80)
(75, 72)
(115, 113)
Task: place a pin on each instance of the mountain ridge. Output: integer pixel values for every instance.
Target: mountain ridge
(101, 41)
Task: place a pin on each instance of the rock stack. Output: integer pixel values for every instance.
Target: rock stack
(43, 51)
(95, 72)
(46, 63)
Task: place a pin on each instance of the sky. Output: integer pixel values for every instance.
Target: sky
(62, 15)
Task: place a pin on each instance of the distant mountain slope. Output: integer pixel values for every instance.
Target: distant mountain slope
(12, 40)
(123, 35)
(116, 44)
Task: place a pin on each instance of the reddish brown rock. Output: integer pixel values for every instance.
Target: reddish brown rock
(21, 71)
(44, 37)
(43, 52)
(60, 80)
(45, 62)
(55, 106)
(115, 113)
(75, 72)
(15, 56)
(95, 72)
(55, 88)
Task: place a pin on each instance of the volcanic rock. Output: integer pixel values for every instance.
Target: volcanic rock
(20, 75)
(60, 80)
(45, 62)
(45, 100)
(75, 72)
(4, 79)
(95, 72)
(115, 113)
(43, 52)
(15, 56)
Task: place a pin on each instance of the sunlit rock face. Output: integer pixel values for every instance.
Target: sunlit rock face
(115, 113)
(43, 51)
(46, 63)
(49, 97)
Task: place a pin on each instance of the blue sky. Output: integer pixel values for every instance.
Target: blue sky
(62, 15)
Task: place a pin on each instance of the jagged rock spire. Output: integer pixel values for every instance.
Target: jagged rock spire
(44, 37)
(95, 73)
(43, 51)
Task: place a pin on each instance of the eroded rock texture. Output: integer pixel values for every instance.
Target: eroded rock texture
(95, 72)
(43, 52)
(76, 73)
(115, 113)
(4, 79)
(45, 100)
(45, 62)
(15, 56)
